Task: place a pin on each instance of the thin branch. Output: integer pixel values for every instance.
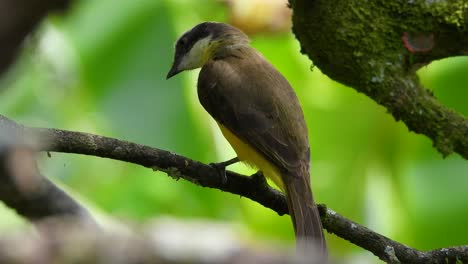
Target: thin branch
(174, 165)
(254, 188)
(386, 249)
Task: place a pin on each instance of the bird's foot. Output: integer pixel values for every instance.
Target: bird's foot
(259, 178)
(221, 168)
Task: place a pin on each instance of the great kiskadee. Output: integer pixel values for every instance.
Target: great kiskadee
(258, 113)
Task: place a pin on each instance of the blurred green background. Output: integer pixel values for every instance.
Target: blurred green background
(101, 69)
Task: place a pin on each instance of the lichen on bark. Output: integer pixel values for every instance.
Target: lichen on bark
(361, 44)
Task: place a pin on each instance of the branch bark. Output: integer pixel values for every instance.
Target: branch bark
(375, 48)
(23, 188)
(254, 188)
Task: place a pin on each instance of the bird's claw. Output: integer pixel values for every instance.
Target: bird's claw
(259, 177)
(221, 168)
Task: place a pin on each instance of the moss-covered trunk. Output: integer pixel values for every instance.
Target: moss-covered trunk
(376, 47)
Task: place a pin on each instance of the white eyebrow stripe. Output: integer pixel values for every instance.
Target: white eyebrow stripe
(194, 58)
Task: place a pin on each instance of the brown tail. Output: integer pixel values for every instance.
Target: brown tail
(304, 214)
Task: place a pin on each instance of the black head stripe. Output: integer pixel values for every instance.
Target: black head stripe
(191, 37)
(203, 30)
(200, 31)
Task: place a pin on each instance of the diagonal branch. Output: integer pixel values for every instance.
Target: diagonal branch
(174, 165)
(254, 188)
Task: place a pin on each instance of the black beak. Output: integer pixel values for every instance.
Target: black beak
(173, 71)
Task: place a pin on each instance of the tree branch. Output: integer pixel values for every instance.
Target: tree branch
(23, 188)
(254, 188)
(375, 47)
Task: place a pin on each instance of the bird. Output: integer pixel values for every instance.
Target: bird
(258, 113)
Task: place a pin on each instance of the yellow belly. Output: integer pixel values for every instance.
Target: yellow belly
(250, 156)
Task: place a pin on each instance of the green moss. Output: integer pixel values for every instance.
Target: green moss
(449, 12)
(359, 43)
(365, 31)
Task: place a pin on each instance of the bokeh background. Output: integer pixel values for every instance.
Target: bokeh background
(101, 68)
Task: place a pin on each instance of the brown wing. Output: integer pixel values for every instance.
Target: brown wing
(252, 99)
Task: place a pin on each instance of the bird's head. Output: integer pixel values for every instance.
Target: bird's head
(198, 45)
